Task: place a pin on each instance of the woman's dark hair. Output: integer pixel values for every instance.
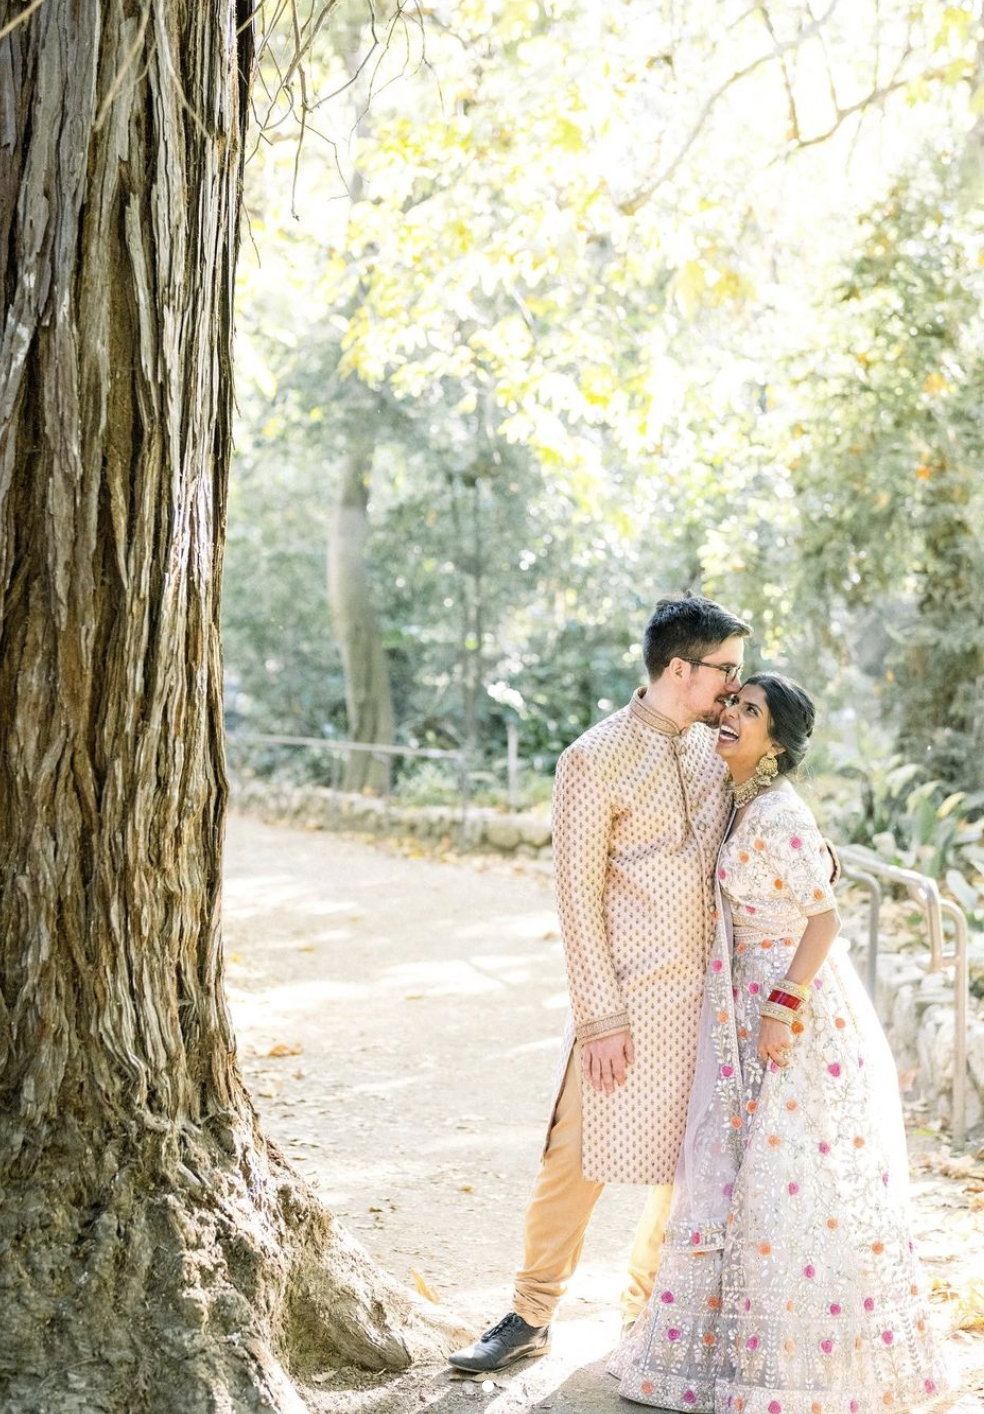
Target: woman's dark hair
(687, 627)
(791, 717)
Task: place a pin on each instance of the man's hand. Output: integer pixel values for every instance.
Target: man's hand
(605, 1062)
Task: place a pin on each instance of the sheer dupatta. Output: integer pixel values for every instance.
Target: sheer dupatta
(713, 1142)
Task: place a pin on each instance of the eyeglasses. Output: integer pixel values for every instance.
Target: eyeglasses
(731, 673)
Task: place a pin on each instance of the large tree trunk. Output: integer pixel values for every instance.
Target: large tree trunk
(368, 701)
(157, 1253)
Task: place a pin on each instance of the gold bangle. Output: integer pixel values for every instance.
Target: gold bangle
(795, 989)
(778, 1013)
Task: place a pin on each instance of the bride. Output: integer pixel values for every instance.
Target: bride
(788, 1283)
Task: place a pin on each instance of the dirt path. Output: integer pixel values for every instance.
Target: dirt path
(399, 1020)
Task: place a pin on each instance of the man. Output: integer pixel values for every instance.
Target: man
(640, 809)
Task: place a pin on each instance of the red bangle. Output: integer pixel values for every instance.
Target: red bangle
(787, 999)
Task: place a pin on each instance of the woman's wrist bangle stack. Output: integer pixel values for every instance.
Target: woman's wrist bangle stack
(784, 1001)
(778, 1013)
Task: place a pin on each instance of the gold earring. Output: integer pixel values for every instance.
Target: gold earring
(766, 770)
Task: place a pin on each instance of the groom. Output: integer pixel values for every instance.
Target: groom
(640, 809)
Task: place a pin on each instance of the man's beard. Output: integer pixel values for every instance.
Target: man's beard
(713, 717)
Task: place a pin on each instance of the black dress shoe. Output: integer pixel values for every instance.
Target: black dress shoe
(508, 1341)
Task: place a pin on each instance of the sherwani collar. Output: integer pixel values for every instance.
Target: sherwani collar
(650, 718)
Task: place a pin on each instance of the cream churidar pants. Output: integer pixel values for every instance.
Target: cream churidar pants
(557, 1214)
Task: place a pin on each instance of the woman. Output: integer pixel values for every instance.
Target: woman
(788, 1283)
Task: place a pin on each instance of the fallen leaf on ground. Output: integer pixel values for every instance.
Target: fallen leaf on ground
(283, 1049)
(422, 1286)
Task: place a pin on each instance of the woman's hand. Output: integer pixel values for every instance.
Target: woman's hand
(775, 1041)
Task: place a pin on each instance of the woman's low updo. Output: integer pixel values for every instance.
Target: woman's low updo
(791, 717)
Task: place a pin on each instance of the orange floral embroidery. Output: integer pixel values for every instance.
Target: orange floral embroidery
(878, 1248)
(791, 1105)
(840, 1023)
(859, 1141)
(831, 1223)
(774, 1141)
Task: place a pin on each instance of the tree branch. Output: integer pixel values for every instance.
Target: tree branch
(876, 96)
(633, 204)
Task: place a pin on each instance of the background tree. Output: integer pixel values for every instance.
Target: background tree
(584, 282)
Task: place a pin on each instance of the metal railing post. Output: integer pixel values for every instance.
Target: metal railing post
(866, 868)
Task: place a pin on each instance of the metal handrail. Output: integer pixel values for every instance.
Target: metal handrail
(341, 748)
(865, 867)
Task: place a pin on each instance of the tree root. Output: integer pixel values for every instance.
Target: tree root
(223, 1294)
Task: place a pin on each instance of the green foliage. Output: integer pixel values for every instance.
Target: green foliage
(891, 481)
(614, 333)
(918, 824)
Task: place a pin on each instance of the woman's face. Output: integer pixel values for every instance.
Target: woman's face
(743, 735)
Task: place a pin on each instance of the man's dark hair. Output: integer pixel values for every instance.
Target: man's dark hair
(791, 717)
(687, 627)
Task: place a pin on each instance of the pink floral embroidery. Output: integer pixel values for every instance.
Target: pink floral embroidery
(835, 1309)
(809, 1270)
(673, 1333)
(689, 1397)
(717, 964)
(834, 1069)
(727, 1071)
(722, 873)
(775, 1407)
(869, 1304)
(827, 1346)
(887, 1337)
(796, 842)
(792, 1189)
(752, 1342)
(667, 1298)
(824, 1147)
(754, 988)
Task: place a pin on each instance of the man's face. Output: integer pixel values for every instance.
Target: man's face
(709, 687)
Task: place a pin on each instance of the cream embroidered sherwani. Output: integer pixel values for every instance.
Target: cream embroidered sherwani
(640, 810)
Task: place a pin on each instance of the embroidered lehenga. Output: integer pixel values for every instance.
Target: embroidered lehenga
(788, 1283)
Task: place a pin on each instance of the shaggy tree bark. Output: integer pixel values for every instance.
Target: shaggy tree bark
(368, 700)
(158, 1255)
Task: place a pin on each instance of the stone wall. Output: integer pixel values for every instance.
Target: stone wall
(916, 1008)
(317, 807)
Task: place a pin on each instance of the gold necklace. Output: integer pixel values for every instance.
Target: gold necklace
(765, 773)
